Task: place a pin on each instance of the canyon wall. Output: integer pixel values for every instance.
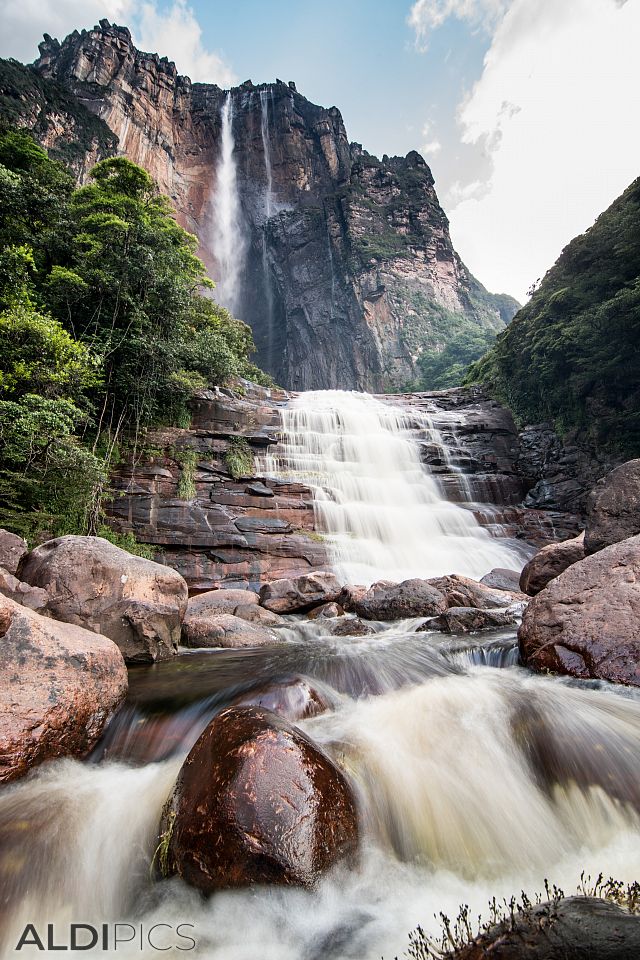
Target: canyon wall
(346, 264)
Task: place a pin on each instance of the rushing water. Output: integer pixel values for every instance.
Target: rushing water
(471, 781)
(473, 777)
(383, 515)
(229, 242)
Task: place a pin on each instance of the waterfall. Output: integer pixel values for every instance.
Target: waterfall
(265, 99)
(229, 240)
(383, 515)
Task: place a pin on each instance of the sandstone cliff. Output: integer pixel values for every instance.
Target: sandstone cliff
(346, 264)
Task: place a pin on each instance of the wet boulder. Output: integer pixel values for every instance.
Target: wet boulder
(613, 508)
(294, 699)
(225, 630)
(92, 583)
(214, 602)
(585, 622)
(501, 578)
(13, 549)
(549, 563)
(256, 801)
(569, 928)
(398, 601)
(326, 611)
(351, 627)
(59, 685)
(462, 591)
(302, 594)
(469, 620)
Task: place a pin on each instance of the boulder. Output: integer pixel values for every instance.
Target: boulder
(219, 601)
(397, 601)
(302, 594)
(350, 595)
(225, 630)
(613, 508)
(260, 615)
(351, 627)
(500, 578)
(294, 699)
(469, 620)
(23, 593)
(92, 583)
(13, 550)
(326, 611)
(256, 801)
(569, 928)
(59, 685)
(549, 563)
(585, 622)
(464, 592)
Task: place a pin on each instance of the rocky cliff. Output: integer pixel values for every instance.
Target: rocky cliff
(346, 268)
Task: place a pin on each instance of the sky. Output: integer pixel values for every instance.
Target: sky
(525, 110)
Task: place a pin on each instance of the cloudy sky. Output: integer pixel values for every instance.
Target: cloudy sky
(526, 110)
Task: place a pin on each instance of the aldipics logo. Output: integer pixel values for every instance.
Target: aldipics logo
(108, 936)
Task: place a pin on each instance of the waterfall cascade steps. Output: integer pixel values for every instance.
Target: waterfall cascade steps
(381, 511)
(474, 777)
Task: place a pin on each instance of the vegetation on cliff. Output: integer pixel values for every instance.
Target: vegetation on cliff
(105, 330)
(571, 354)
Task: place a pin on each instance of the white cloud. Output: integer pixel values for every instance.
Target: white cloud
(427, 15)
(177, 34)
(173, 32)
(556, 110)
(430, 145)
(24, 21)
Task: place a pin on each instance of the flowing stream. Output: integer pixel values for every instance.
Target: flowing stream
(473, 777)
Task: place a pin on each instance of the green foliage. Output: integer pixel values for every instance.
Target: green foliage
(570, 355)
(106, 329)
(30, 100)
(188, 460)
(128, 542)
(239, 458)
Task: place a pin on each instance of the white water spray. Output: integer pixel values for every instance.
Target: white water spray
(230, 245)
(383, 515)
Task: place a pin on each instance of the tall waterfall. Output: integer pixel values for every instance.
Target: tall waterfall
(383, 515)
(265, 99)
(230, 245)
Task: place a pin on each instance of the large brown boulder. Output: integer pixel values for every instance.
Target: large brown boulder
(469, 620)
(549, 563)
(13, 549)
(460, 591)
(397, 601)
(59, 684)
(225, 630)
(137, 603)
(585, 622)
(302, 594)
(613, 508)
(213, 602)
(256, 801)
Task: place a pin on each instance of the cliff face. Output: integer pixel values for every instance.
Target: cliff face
(346, 267)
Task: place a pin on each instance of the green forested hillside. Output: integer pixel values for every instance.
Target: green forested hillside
(104, 328)
(572, 354)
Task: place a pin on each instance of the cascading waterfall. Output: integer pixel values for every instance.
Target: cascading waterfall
(383, 515)
(265, 100)
(230, 245)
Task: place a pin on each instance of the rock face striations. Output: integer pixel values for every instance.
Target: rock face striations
(346, 267)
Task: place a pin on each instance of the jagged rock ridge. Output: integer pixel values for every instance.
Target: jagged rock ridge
(349, 270)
